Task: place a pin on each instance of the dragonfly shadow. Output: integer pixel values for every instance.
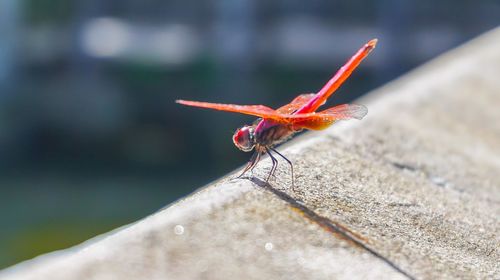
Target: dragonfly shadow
(324, 222)
(327, 224)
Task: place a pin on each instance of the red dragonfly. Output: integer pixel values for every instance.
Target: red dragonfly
(276, 126)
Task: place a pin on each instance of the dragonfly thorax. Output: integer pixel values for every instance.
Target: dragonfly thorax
(244, 139)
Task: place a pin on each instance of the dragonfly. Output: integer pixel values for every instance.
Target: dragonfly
(276, 126)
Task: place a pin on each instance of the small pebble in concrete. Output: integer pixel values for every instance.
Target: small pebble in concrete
(269, 246)
(179, 230)
(439, 181)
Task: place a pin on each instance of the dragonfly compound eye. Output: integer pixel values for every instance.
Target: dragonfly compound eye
(243, 138)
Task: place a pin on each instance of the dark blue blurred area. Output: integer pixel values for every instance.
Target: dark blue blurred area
(90, 136)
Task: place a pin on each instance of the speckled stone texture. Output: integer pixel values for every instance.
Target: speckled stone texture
(412, 191)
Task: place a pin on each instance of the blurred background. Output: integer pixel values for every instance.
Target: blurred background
(90, 136)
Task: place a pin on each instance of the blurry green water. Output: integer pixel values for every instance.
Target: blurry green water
(63, 212)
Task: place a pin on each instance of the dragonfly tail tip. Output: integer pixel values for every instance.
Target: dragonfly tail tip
(372, 43)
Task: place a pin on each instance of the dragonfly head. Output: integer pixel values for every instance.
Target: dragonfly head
(244, 139)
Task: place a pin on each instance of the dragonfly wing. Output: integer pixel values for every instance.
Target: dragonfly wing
(346, 112)
(298, 102)
(336, 81)
(323, 119)
(314, 121)
(253, 110)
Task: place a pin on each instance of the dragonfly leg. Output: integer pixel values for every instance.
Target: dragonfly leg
(251, 163)
(256, 161)
(275, 165)
(287, 160)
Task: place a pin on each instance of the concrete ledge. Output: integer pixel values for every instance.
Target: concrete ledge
(412, 192)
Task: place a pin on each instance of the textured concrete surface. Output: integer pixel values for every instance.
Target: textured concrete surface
(412, 191)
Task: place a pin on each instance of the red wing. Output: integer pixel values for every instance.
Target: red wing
(253, 110)
(314, 121)
(334, 83)
(295, 104)
(299, 111)
(323, 119)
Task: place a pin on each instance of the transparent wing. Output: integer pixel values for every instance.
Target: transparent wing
(298, 102)
(323, 119)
